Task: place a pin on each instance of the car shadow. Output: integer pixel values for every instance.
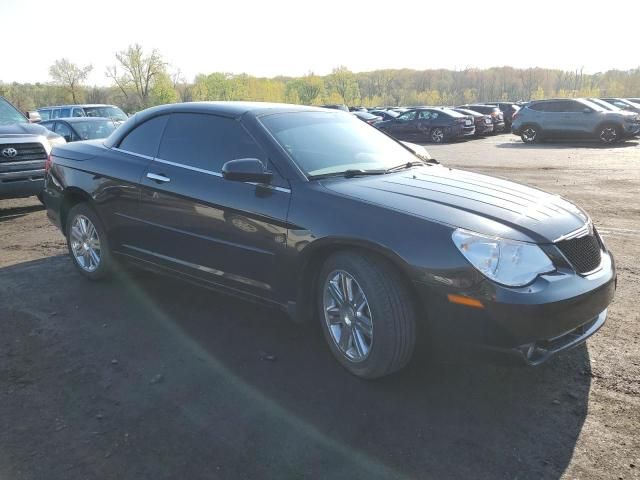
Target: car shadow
(259, 396)
(435, 420)
(16, 212)
(548, 144)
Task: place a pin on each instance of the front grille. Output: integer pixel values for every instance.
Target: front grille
(584, 253)
(26, 152)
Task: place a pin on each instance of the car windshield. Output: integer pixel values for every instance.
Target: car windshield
(326, 143)
(594, 106)
(9, 114)
(94, 129)
(605, 105)
(109, 112)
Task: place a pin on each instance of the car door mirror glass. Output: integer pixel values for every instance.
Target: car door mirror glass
(246, 170)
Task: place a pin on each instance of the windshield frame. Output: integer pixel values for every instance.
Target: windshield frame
(308, 176)
(105, 109)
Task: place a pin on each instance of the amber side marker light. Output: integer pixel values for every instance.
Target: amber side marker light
(466, 301)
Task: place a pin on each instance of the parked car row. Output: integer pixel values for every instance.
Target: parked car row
(606, 119)
(437, 123)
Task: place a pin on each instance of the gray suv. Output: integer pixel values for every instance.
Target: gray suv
(573, 118)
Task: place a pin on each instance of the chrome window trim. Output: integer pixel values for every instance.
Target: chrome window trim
(200, 170)
(146, 157)
(188, 167)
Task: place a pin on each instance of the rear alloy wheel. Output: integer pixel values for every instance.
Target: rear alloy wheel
(609, 134)
(529, 134)
(366, 313)
(87, 242)
(437, 135)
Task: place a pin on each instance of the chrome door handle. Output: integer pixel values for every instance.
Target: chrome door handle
(158, 178)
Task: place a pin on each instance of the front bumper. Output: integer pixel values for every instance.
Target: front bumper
(483, 128)
(20, 188)
(632, 130)
(555, 313)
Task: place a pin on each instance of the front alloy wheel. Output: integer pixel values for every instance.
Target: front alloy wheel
(366, 313)
(348, 316)
(609, 134)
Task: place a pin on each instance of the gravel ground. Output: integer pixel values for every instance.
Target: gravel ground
(144, 377)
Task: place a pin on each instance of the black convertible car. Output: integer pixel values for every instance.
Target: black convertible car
(316, 212)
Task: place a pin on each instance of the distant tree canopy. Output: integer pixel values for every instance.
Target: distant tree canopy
(141, 79)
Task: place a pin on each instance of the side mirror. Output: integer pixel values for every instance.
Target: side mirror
(587, 110)
(246, 170)
(67, 138)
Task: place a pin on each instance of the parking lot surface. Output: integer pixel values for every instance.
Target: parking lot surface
(145, 377)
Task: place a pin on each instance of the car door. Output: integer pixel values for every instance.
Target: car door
(573, 119)
(405, 125)
(119, 194)
(424, 124)
(199, 224)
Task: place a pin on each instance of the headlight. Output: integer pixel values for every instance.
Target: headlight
(504, 261)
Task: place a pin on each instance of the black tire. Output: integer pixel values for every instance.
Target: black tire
(391, 310)
(609, 134)
(438, 135)
(106, 263)
(530, 134)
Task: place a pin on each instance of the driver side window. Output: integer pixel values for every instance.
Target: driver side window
(407, 116)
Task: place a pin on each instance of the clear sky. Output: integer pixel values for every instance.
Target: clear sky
(288, 37)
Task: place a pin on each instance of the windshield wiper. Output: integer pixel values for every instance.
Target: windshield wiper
(403, 166)
(348, 173)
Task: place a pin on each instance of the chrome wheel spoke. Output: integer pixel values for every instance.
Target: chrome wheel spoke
(94, 257)
(336, 293)
(76, 234)
(345, 339)
(333, 314)
(363, 324)
(359, 343)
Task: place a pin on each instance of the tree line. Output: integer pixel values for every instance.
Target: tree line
(141, 79)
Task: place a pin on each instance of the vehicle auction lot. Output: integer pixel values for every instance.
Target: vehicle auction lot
(147, 377)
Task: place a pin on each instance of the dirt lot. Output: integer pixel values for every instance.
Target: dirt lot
(148, 378)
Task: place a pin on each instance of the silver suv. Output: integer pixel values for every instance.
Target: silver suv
(573, 118)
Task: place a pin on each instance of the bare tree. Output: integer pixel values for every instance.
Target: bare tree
(70, 76)
(135, 71)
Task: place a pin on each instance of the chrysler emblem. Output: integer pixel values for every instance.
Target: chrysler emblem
(9, 152)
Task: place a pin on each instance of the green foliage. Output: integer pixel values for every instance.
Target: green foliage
(70, 76)
(344, 83)
(140, 79)
(163, 90)
(305, 90)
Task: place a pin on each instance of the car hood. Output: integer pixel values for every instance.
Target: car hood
(23, 129)
(462, 199)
